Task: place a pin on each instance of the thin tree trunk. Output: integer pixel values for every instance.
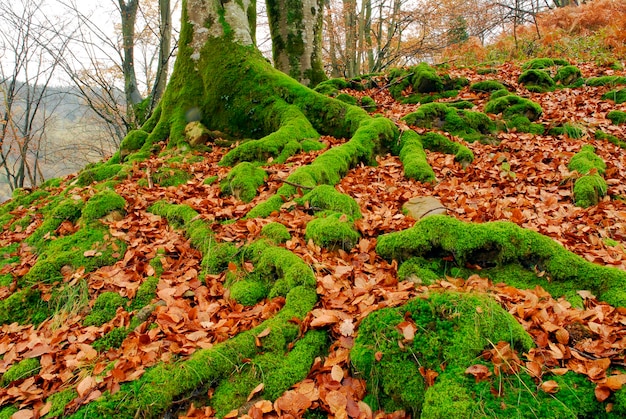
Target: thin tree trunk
(165, 42)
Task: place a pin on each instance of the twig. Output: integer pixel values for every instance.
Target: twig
(297, 185)
(393, 82)
(149, 176)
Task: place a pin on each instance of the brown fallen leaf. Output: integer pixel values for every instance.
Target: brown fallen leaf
(550, 386)
(254, 391)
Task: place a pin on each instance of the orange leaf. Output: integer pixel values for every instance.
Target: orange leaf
(615, 382)
(256, 390)
(602, 392)
(479, 371)
(550, 386)
(336, 373)
(85, 386)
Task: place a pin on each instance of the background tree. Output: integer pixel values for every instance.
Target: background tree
(28, 102)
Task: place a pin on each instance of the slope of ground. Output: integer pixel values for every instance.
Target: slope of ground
(173, 306)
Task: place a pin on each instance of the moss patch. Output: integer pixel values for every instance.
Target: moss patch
(413, 158)
(25, 368)
(617, 96)
(102, 204)
(243, 181)
(104, 308)
(326, 197)
(569, 75)
(276, 232)
(450, 330)
(487, 86)
(503, 244)
(332, 231)
(617, 117)
(605, 81)
(442, 144)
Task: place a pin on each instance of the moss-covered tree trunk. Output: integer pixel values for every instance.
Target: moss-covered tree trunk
(296, 28)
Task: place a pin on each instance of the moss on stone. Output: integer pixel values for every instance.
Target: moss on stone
(451, 330)
(569, 75)
(487, 86)
(98, 173)
(104, 308)
(170, 176)
(468, 125)
(332, 231)
(210, 180)
(327, 198)
(276, 232)
(499, 244)
(27, 367)
(331, 87)
(617, 96)
(413, 158)
(425, 79)
(243, 181)
(112, 340)
(102, 204)
(133, 141)
(538, 63)
(368, 103)
(513, 105)
(346, 98)
(521, 123)
(617, 117)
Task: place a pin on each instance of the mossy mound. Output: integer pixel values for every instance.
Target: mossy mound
(413, 158)
(243, 181)
(470, 126)
(418, 270)
(327, 198)
(513, 105)
(587, 160)
(346, 98)
(503, 245)
(437, 142)
(569, 75)
(446, 329)
(101, 204)
(99, 172)
(112, 340)
(170, 176)
(538, 63)
(104, 308)
(134, 140)
(332, 230)
(617, 96)
(425, 82)
(589, 190)
(617, 117)
(331, 87)
(276, 232)
(537, 81)
(487, 86)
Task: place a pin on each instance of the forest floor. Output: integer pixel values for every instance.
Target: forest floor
(534, 191)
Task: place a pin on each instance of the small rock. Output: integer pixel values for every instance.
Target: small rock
(423, 206)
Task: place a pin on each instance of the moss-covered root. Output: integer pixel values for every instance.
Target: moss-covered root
(440, 143)
(591, 187)
(243, 181)
(502, 244)
(332, 230)
(450, 331)
(372, 136)
(327, 198)
(413, 158)
(294, 129)
(215, 256)
(162, 385)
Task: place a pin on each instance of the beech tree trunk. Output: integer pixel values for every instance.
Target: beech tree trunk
(296, 29)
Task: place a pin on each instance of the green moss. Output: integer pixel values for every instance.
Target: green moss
(417, 270)
(468, 125)
(425, 79)
(589, 190)
(276, 232)
(500, 244)
(601, 135)
(569, 75)
(249, 292)
(27, 367)
(537, 63)
(605, 81)
(23, 306)
(512, 105)
(413, 158)
(102, 204)
(487, 86)
(243, 181)
(368, 103)
(617, 117)
(440, 143)
(570, 130)
(346, 98)
(58, 402)
(617, 96)
(333, 231)
(113, 339)
(70, 250)
(586, 160)
(521, 123)
(98, 173)
(460, 104)
(331, 87)
(451, 330)
(499, 93)
(170, 176)
(145, 294)
(210, 180)
(133, 141)
(326, 197)
(7, 412)
(104, 308)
